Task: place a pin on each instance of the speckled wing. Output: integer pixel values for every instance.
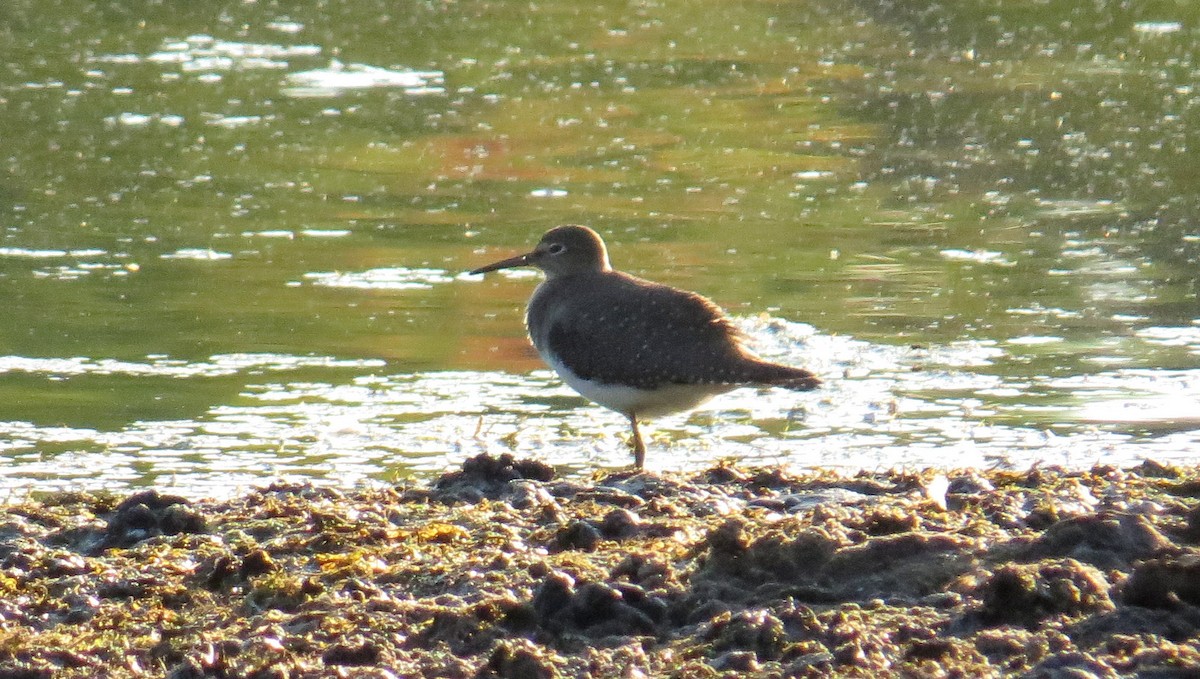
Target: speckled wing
(645, 335)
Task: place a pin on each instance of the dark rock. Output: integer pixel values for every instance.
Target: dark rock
(226, 570)
(1027, 594)
(1107, 540)
(81, 608)
(525, 494)
(490, 477)
(643, 570)
(596, 608)
(890, 522)
(553, 595)
(1191, 532)
(969, 483)
(1072, 665)
(906, 564)
(930, 649)
(723, 474)
(654, 607)
(757, 631)
(594, 603)
(217, 571)
(1157, 470)
(620, 524)
(736, 661)
(257, 562)
(517, 659)
(806, 664)
(581, 535)
(1164, 583)
(354, 652)
(728, 539)
(149, 514)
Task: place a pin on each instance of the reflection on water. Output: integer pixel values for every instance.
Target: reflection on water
(231, 245)
(392, 278)
(340, 78)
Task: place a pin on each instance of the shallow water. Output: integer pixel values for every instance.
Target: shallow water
(232, 246)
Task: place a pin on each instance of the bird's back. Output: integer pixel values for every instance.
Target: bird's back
(610, 327)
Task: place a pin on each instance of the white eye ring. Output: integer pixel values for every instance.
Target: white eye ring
(556, 249)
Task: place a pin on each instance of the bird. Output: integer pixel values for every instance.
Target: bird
(639, 348)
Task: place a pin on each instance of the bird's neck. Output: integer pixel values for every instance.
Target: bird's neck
(563, 275)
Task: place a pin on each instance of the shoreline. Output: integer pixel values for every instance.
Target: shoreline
(501, 569)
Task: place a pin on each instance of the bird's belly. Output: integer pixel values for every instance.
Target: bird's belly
(628, 400)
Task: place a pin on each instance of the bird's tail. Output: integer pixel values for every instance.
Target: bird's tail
(803, 380)
(785, 376)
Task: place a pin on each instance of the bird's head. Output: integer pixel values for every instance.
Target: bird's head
(563, 250)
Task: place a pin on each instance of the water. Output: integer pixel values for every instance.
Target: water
(231, 246)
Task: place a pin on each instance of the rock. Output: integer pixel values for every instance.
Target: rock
(755, 630)
(664, 576)
(581, 535)
(1164, 582)
(1072, 665)
(620, 524)
(1106, 540)
(355, 652)
(736, 661)
(526, 494)
(1026, 594)
(1191, 531)
(553, 595)
(595, 608)
(491, 477)
(146, 515)
(225, 570)
(517, 659)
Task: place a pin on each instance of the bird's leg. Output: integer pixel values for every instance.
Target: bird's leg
(639, 448)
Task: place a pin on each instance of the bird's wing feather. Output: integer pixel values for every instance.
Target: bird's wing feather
(661, 335)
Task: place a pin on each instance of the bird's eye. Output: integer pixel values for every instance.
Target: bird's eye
(556, 248)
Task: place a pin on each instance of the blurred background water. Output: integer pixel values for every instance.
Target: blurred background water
(232, 235)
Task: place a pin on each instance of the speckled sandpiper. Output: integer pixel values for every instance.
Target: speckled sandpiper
(637, 347)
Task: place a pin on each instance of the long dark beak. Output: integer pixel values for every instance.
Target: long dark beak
(519, 260)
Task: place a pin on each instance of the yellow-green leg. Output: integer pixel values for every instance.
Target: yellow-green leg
(639, 448)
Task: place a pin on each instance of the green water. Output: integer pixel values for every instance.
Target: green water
(233, 234)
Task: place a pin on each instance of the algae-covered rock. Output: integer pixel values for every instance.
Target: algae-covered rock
(505, 569)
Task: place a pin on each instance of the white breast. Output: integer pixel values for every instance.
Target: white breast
(664, 400)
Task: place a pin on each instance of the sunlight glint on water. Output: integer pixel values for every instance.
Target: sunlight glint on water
(883, 406)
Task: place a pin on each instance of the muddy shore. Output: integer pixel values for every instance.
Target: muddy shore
(502, 569)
